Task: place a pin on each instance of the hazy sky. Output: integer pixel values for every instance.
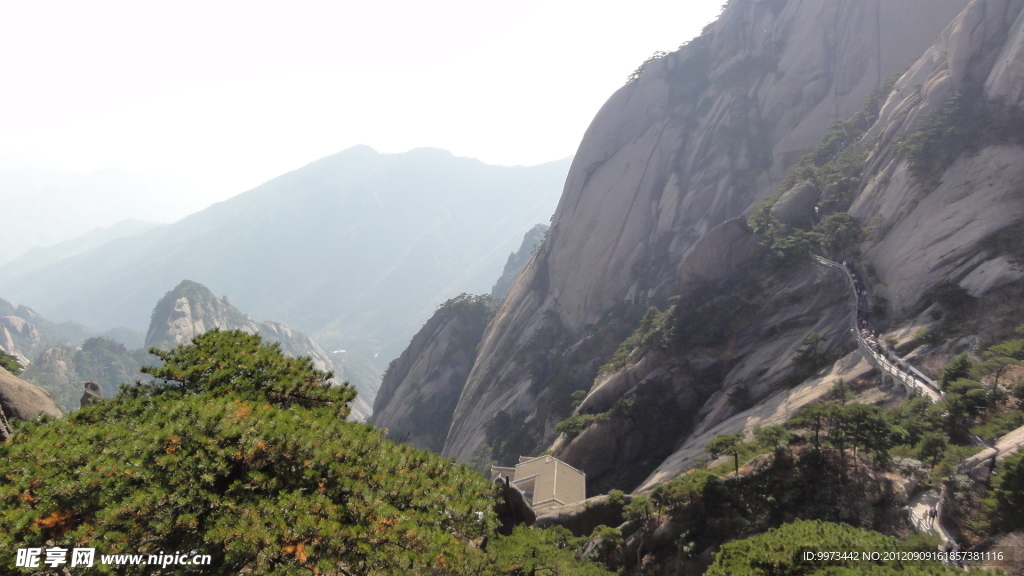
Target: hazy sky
(227, 95)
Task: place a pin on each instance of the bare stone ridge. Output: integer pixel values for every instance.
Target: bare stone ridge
(420, 388)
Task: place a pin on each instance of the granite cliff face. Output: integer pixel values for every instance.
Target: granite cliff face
(24, 333)
(655, 203)
(420, 388)
(191, 309)
(518, 260)
(942, 228)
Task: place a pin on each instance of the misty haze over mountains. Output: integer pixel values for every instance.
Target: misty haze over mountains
(779, 306)
(43, 208)
(356, 249)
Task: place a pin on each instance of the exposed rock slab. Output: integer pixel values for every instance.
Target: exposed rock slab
(776, 410)
(419, 391)
(24, 401)
(698, 139)
(940, 235)
(924, 236)
(796, 205)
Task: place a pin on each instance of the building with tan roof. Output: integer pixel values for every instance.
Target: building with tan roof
(545, 480)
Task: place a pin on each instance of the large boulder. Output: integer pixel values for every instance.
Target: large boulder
(22, 400)
(726, 250)
(92, 393)
(796, 206)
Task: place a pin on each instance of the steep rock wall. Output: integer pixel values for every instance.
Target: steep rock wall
(928, 228)
(700, 137)
(926, 232)
(420, 389)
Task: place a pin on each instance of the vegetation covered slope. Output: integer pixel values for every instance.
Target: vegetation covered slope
(62, 370)
(241, 453)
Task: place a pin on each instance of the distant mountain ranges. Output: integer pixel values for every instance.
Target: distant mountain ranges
(356, 249)
(65, 361)
(333, 248)
(42, 208)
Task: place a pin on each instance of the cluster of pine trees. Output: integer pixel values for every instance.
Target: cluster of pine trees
(239, 452)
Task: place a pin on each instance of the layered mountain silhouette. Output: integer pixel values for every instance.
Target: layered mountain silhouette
(43, 208)
(355, 249)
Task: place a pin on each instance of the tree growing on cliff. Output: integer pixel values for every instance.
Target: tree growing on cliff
(727, 444)
(782, 552)
(1007, 503)
(10, 363)
(640, 513)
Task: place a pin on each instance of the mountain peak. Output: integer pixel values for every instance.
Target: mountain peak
(190, 309)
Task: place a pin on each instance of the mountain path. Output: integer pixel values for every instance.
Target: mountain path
(892, 366)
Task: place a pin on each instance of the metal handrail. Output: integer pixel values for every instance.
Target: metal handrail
(924, 385)
(912, 380)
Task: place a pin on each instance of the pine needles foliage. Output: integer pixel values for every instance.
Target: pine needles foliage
(244, 454)
(791, 550)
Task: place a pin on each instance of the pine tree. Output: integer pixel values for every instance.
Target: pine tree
(243, 454)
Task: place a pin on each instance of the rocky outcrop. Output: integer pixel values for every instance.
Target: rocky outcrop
(17, 336)
(518, 260)
(981, 465)
(24, 333)
(930, 233)
(796, 205)
(22, 400)
(92, 393)
(721, 254)
(696, 141)
(191, 309)
(419, 391)
(664, 399)
(777, 409)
